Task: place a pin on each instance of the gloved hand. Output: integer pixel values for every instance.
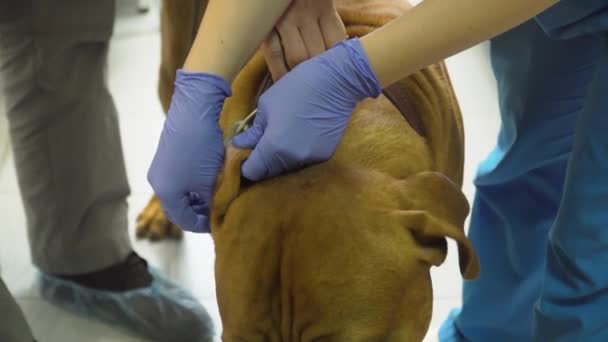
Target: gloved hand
(191, 150)
(301, 118)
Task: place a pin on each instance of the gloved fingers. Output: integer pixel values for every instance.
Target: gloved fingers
(195, 198)
(202, 224)
(293, 45)
(255, 168)
(249, 138)
(313, 38)
(183, 215)
(332, 28)
(199, 205)
(274, 56)
(201, 209)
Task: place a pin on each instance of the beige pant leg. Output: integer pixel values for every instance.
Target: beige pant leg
(64, 131)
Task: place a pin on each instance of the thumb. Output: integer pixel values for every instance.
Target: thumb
(255, 168)
(250, 137)
(183, 215)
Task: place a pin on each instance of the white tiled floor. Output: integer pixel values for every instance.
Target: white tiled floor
(134, 60)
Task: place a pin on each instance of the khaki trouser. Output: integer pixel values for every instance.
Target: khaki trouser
(64, 131)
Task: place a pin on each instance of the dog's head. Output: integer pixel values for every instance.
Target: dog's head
(427, 204)
(345, 251)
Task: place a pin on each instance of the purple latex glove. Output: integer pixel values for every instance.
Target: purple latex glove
(301, 118)
(190, 152)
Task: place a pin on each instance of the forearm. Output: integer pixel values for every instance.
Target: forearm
(230, 33)
(437, 29)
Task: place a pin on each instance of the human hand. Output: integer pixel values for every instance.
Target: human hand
(301, 118)
(191, 150)
(306, 29)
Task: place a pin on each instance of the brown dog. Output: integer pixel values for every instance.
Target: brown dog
(341, 251)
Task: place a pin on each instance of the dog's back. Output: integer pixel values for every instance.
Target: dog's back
(341, 251)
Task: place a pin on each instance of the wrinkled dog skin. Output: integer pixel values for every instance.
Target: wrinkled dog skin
(341, 251)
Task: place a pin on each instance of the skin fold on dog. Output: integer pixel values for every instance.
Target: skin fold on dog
(341, 250)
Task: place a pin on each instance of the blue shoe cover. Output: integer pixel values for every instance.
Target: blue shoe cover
(162, 311)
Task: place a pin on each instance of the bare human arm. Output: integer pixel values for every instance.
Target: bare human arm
(230, 33)
(437, 29)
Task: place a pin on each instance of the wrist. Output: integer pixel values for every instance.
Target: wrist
(204, 82)
(199, 94)
(364, 81)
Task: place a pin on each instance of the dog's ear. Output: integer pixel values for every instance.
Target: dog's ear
(228, 184)
(437, 209)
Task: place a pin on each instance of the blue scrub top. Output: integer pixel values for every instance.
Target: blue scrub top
(571, 18)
